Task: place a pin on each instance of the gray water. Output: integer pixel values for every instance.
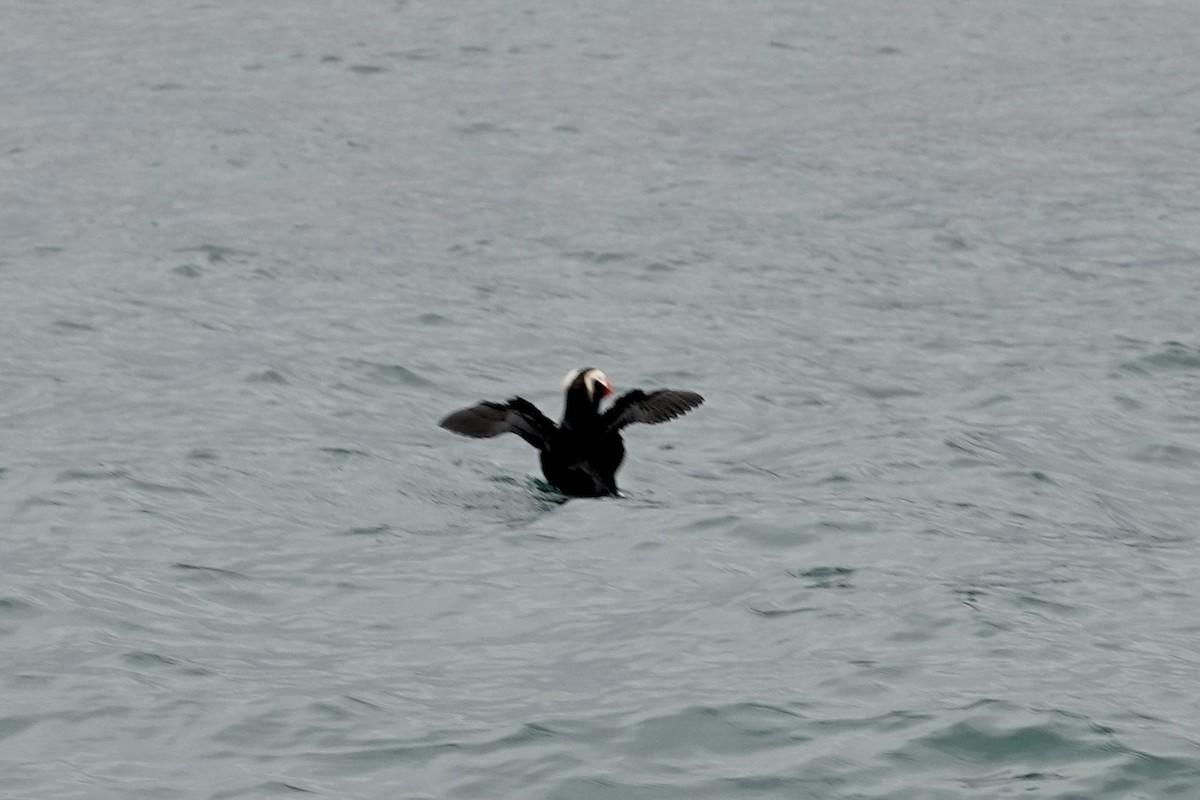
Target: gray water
(936, 268)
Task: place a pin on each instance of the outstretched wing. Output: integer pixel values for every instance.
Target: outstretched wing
(487, 419)
(650, 408)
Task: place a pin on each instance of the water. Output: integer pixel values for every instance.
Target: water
(932, 535)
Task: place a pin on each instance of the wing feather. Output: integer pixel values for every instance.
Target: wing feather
(487, 419)
(650, 408)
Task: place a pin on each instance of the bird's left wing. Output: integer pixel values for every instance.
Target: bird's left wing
(516, 415)
(650, 408)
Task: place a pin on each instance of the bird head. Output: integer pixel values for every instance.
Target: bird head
(587, 385)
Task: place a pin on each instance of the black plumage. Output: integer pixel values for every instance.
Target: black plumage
(581, 455)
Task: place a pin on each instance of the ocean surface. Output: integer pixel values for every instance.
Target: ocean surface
(935, 267)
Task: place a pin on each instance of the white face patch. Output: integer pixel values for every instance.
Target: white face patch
(594, 378)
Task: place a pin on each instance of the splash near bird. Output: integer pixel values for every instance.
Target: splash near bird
(581, 455)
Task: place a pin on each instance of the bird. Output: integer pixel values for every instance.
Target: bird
(580, 455)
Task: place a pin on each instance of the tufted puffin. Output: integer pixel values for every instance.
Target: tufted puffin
(581, 455)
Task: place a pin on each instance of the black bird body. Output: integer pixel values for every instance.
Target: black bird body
(581, 455)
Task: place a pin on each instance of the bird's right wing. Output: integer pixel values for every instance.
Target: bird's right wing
(488, 419)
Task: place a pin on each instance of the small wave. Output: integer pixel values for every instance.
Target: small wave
(265, 789)
(772, 535)
(1168, 357)
(268, 376)
(215, 253)
(209, 572)
(1168, 454)
(367, 530)
(71, 475)
(825, 577)
(391, 373)
(344, 452)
